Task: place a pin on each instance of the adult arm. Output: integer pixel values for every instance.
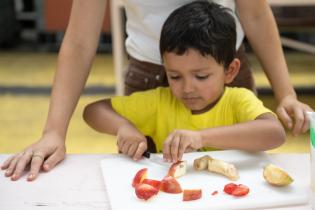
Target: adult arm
(261, 31)
(74, 61)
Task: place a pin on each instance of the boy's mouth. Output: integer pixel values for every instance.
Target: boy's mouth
(190, 100)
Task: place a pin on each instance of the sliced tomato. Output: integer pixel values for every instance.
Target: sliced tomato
(145, 191)
(190, 195)
(214, 192)
(170, 185)
(153, 183)
(139, 177)
(240, 190)
(229, 188)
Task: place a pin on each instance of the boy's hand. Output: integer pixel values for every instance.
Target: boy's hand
(131, 142)
(292, 113)
(180, 141)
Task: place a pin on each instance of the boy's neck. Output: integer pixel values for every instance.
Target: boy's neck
(209, 106)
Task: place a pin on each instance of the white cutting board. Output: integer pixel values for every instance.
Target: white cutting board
(118, 173)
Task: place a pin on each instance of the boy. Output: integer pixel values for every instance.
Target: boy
(197, 111)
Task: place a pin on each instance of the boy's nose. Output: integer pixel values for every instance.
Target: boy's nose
(188, 87)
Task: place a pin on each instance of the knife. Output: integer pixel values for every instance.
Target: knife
(155, 159)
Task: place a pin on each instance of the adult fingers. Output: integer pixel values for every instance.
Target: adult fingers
(284, 117)
(22, 163)
(298, 121)
(142, 147)
(306, 124)
(36, 164)
(11, 168)
(54, 159)
(7, 162)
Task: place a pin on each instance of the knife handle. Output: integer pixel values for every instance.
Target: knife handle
(146, 154)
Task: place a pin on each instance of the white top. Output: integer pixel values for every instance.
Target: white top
(144, 22)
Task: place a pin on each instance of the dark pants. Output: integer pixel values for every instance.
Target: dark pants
(144, 76)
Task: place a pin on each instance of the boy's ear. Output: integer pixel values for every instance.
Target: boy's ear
(232, 71)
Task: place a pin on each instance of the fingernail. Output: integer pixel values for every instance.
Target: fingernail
(289, 125)
(14, 176)
(46, 166)
(31, 176)
(7, 172)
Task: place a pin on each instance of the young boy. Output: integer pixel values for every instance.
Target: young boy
(197, 110)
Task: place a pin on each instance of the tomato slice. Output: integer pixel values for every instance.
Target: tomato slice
(229, 188)
(214, 192)
(153, 183)
(240, 190)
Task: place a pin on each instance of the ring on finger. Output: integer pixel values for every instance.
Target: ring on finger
(39, 155)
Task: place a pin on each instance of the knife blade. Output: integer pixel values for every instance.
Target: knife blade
(155, 159)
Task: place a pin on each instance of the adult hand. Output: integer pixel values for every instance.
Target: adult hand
(131, 142)
(44, 154)
(293, 115)
(180, 141)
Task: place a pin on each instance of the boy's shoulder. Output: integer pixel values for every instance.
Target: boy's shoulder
(239, 94)
(238, 91)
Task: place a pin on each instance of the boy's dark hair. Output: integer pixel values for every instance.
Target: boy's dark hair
(206, 27)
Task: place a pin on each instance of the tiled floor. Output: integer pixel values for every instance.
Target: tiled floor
(22, 117)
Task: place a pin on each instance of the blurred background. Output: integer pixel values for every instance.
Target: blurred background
(31, 32)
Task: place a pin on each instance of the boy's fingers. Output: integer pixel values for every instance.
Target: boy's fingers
(132, 149)
(284, 117)
(174, 147)
(125, 148)
(142, 147)
(119, 143)
(167, 148)
(122, 145)
(182, 148)
(299, 121)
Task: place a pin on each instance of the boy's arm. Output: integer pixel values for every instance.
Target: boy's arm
(102, 117)
(261, 134)
(259, 25)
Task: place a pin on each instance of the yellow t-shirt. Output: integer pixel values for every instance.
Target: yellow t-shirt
(156, 113)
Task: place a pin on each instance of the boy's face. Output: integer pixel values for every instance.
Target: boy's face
(194, 79)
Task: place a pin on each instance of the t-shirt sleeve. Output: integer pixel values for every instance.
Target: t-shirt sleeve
(248, 106)
(139, 108)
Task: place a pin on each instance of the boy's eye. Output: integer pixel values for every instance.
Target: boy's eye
(174, 77)
(202, 77)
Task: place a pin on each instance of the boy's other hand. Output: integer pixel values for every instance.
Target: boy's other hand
(180, 141)
(44, 154)
(131, 142)
(292, 113)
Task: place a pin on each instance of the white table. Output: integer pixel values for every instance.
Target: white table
(77, 184)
